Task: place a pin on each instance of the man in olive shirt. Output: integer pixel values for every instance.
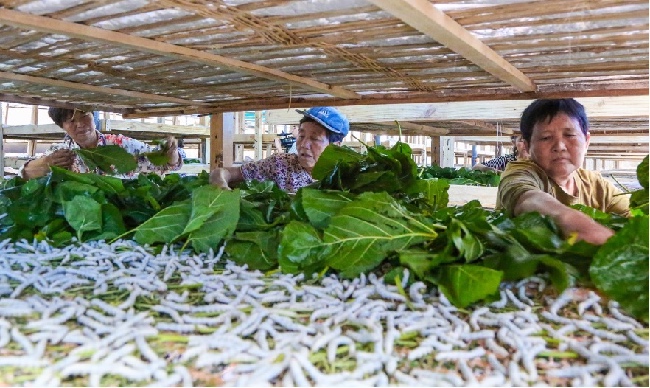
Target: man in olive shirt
(556, 133)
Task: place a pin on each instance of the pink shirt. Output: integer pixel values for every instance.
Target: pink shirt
(132, 146)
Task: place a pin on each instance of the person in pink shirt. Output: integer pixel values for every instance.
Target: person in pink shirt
(80, 130)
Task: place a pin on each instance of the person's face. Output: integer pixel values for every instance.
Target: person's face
(558, 146)
(522, 151)
(311, 142)
(81, 128)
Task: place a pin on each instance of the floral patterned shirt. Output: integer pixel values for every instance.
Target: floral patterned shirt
(132, 146)
(283, 169)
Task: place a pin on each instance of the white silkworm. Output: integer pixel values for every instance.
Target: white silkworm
(565, 298)
(591, 301)
(23, 341)
(477, 335)
(502, 302)
(334, 344)
(632, 335)
(22, 361)
(494, 362)
(516, 301)
(496, 348)
(613, 309)
(323, 339)
(460, 355)
(297, 374)
(177, 327)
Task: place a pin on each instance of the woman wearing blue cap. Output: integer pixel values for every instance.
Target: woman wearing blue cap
(319, 127)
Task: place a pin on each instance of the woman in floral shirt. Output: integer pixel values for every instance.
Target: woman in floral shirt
(319, 127)
(80, 130)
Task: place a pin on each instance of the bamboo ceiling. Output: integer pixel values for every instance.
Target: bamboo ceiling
(164, 57)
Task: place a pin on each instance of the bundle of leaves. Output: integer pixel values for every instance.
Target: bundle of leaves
(64, 204)
(352, 227)
(461, 176)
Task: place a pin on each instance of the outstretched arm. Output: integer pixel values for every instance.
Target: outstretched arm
(569, 220)
(224, 176)
(40, 167)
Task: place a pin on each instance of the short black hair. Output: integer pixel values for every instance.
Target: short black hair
(332, 136)
(59, 115)
(543, 110)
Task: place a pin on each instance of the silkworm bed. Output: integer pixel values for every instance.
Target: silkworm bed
(119, 314)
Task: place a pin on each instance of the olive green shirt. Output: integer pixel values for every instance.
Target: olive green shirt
(593, 190)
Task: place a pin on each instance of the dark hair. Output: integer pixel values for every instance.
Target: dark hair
(59, 115)
(546, 109)
(332, 137)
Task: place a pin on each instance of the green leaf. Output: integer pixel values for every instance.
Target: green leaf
(423, 262)
(83, 214)
(112, 224)
(110, 159)
(34, 206)
(205, 202)
(467, 284)
(165, 226)
(331, 157)
(67, 190)
(158, 158)
(433, 191)
(221, 225)
(367, 229)
(258, 250)
(642, 173)
(109, 184)
(300, 247)
(469, 246)
(620, 267)
(320, 206)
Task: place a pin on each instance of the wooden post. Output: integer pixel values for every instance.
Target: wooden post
(222, 128)
(447, 151)
(435, 150)
(259, 150)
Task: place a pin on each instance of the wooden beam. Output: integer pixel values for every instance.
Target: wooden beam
(413, 128)
(32, 130)
(92, 88)
(426, 18)
(156, 128)
(632, 106)
(612, 89)
(595, 139)
(89, 33)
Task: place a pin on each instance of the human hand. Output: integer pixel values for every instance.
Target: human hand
(220, 178)
(171, 145)
(576, 223)
(61, 158)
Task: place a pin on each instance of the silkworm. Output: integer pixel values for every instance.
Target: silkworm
(592, 301)
(22, 361)
(460, 355)
(333, 345)
(477, 335)
(22, 340)
(613, 309)
(322, 340)
(516, 301)
(565, 298)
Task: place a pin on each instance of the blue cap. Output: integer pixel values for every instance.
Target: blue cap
(329, 118)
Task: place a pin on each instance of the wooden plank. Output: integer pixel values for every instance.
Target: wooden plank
(89, 33)
(156, 128)
(616, 89)
(413, 127)
(92, 88)
(595, 139)
(460, 195)
(426, 18)
(32, 130)
(216, 141)
(628, 106)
